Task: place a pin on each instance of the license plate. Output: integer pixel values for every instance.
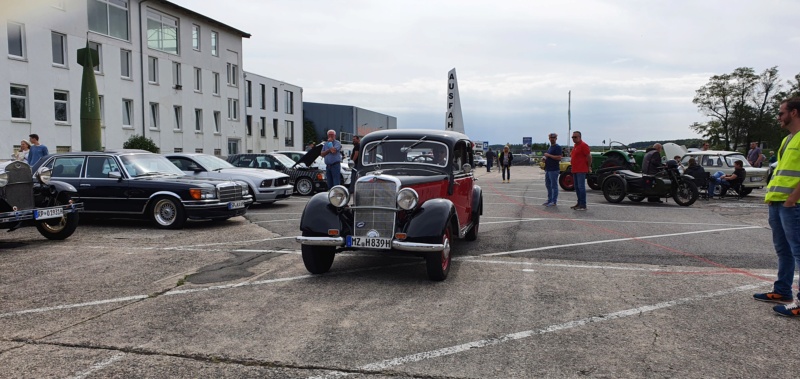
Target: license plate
(43, 214)
(369, 242)
(236, 204)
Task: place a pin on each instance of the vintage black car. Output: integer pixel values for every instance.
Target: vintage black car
(28, 199)
(415, 193)
(137, 183)
(305, 179)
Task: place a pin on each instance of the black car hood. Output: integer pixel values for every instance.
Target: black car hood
(181, 179)
(310, 156)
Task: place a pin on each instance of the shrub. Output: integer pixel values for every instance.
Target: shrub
(142, 143)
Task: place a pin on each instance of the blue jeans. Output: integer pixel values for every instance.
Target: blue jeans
(506, 169)
(488, 165)
(580, 188)
(713, 180)
(333, 173)
(785, 224)
(551, 182)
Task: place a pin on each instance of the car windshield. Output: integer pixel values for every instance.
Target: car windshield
(286, 161)
(149, 164)
(212, 163)
(405, 151)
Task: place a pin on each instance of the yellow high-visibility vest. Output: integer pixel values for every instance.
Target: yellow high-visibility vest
(787, 174)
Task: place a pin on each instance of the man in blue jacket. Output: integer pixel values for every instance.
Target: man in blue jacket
(331, 152)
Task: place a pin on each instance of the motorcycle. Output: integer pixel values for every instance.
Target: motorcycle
(668, 182)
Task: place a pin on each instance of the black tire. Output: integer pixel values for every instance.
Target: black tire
(59, 228)
(614, 189)
(566, 181)
(472, 235)
(318, 259)
(167, 213)
(686, 193)
(438, 262)
(591, 180)
(636, 198)
(745, 191)
(304, 186)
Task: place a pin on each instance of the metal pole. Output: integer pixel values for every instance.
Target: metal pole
(569, 118)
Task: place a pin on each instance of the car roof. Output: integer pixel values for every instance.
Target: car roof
(448, 137)
(714, 152)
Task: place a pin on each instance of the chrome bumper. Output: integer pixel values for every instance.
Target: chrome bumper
(397, 245)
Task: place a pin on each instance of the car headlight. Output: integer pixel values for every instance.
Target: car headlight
(202, 193)
(3, 179)
(245, 188)
(42, 175)
(338, 196)
(407, 198)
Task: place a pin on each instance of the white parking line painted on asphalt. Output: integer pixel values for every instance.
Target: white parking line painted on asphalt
(469, 346)
(616, 240)
(68, 306)
(615, 221)
(263, 222)
(99, 366)
(222, 243)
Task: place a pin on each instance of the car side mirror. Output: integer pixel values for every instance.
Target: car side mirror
(467, 168)
(115, 175)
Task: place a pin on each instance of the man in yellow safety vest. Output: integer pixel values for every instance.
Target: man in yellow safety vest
(783, 193)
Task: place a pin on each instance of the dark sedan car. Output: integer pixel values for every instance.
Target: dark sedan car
(137, 183)
(305, 180)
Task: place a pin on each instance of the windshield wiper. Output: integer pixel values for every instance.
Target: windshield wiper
(371, 149)
(407, 149)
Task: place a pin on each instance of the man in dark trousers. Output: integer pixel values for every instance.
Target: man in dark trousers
(651, 164)
(489, 160)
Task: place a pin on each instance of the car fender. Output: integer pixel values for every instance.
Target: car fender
(62, 186)
(429, 221)
(319, 216)
(477, 201)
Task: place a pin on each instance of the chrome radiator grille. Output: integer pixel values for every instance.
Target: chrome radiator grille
(19, 190)
(228, 192)
(375, 193)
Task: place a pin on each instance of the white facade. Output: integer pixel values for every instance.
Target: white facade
(140, 94)
(274, 118)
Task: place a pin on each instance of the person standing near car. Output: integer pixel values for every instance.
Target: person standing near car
(651, 165)
(783, 194)
(754, 155)
(489, 160)
(333, 159)
(552, 162)
(581, 161)
(504, 159)
(37, 150)
(24, 150)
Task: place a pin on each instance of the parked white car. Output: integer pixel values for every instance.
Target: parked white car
(319, 163)
(720, 160)
(266, 186)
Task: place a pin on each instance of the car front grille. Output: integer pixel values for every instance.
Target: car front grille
(281, 182)
(19, 190)
(375, 193)
(230, 192)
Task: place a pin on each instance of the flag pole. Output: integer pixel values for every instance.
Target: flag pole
(569, 118)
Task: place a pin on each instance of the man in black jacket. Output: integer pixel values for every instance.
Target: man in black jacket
(651, 165)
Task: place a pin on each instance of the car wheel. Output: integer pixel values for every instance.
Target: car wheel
(472, 235)
(167, 213)
(438, 262)
(591, 180)
(304, 186)
(59, 228)
(318, 259)
(686, 193)
(745, 191)
(614, 189)
(566, 181)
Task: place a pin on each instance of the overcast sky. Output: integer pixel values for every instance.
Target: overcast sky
(632, 66)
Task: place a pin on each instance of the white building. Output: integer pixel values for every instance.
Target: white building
(274, 115)
(165, 72)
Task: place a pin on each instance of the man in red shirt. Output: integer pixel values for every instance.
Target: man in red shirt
(581, 163)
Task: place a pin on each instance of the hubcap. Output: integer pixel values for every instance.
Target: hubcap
(165, 212)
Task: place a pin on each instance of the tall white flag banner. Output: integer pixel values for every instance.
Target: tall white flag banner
(453, 120)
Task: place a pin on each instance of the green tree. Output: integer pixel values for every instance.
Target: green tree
(142, 143)
(309, 132)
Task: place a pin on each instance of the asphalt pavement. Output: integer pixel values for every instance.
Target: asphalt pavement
(620, 290)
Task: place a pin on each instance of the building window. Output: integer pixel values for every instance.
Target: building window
(178, 150)
(19, 102)
(176, 75)
(178, 117)
(152, 70)
(198, 150)
(198, 79)
(233, 109)
(274, 99)
(216, 121)
(263, 97)
(263, 126)
(109, 17)
(153, 115)
(125, 63)
(16, 40)
(127, 113)
(214, 44)
(61, 99)
(233, 146)
(198, 120)
(233, 73)
(274, 128)
(102, 110)
(98, 66)
(248, 90)
(249, 125)
(216, 83)
(289, 133)
(196, 37)
(59, 42)
(289, 102)
(217, 152)
(162, 32)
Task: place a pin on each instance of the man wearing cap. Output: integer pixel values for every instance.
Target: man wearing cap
(552, 159)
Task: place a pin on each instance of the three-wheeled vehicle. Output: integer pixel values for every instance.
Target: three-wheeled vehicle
(414, 194)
